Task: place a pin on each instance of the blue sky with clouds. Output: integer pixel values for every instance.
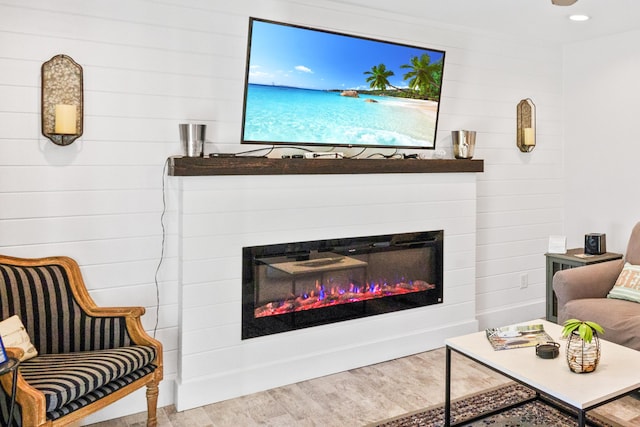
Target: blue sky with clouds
(285, 55)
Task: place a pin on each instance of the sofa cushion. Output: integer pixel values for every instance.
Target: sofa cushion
(67, 377)
(627, 285)
(98, 394)
(619, 318)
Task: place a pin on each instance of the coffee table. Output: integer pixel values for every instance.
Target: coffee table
(616, 375)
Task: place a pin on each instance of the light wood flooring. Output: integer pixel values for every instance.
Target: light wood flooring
(354, 398)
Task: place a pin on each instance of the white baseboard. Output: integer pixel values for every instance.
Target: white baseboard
(207, 390)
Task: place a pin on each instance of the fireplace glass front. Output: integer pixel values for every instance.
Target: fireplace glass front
(303, 284)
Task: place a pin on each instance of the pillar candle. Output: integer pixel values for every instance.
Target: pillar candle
(65, 119)
(529, 136)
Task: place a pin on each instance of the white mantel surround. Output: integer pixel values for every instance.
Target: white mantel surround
(218, 215)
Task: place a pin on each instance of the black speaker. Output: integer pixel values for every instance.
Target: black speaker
(595, 243)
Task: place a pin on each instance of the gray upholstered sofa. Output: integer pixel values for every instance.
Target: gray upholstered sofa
(582, 294)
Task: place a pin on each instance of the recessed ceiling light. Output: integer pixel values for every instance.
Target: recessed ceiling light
(579, 17)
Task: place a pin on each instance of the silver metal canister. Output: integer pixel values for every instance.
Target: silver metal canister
(192, 139)
(464, 141)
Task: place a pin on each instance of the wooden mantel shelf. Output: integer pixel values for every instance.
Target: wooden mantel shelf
(206, 166)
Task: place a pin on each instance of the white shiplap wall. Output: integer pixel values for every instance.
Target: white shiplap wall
(220, 215)
(601, 139)
(149, 65)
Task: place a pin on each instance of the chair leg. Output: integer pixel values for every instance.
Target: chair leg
(152, 404)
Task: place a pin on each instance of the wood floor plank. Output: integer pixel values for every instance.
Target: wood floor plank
(355, 398)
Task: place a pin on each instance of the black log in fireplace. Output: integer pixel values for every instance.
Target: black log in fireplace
(298, 285)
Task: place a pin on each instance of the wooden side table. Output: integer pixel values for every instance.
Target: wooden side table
(573, 258)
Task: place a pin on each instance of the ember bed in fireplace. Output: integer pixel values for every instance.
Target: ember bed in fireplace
(302, 284)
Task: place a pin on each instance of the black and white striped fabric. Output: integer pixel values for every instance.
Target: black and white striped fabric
(76, 404)
(42, 298)
(100, 393)
(80, 358)
(65, 377)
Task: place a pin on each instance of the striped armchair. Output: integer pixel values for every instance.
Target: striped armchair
(88, 356)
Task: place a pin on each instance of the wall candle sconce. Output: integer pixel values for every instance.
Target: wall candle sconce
(526, 131)
(62, 101)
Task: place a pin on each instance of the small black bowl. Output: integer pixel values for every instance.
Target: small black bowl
(549, 350)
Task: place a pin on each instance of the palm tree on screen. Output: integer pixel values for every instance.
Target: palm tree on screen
(379, 77)
(422, 76)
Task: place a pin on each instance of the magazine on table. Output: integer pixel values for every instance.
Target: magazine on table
(517, 336)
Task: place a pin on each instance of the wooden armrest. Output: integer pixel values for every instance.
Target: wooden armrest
(14, 352)
(131, 312)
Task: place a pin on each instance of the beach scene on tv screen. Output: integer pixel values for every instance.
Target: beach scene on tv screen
(307, 86)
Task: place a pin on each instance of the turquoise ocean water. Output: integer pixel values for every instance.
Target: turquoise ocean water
(283, 114)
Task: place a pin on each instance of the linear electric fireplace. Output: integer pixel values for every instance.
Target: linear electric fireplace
(298, 285)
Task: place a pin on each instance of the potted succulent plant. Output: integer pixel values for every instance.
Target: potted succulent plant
(583, 344)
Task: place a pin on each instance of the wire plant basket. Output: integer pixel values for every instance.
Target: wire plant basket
(583, 357)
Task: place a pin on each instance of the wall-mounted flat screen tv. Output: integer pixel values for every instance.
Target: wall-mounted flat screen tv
(306, 86)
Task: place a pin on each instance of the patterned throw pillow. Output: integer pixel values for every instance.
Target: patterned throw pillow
(14, 334)
(628, 284)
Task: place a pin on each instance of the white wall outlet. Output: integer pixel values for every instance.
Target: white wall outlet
(524, 280)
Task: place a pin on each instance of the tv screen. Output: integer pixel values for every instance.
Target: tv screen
(305, 86)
